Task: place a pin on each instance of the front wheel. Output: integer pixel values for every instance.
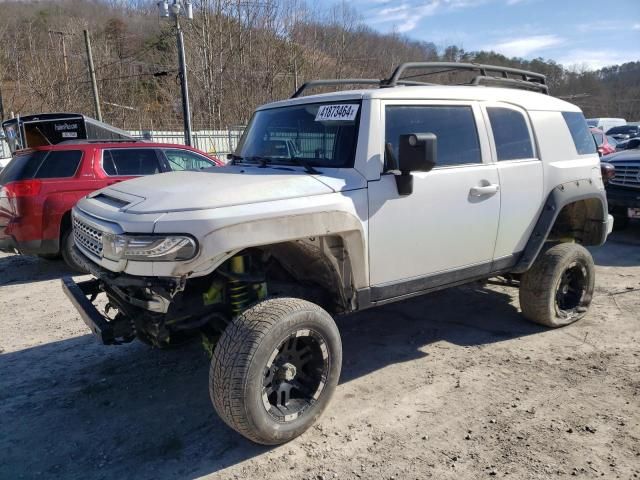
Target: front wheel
(558, 288)
(275, 368)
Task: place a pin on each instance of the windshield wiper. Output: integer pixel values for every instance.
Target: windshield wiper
(303, 163)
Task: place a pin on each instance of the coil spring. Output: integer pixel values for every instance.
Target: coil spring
(238, 296)
(238, 290)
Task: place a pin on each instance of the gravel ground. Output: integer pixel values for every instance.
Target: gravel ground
(451, 385)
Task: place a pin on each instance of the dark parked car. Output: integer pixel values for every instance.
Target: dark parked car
(630, 144)
(623, 190)
(624, 132)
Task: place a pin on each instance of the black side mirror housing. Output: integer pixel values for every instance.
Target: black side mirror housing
(417, 153)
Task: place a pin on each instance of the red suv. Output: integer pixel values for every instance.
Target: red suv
(39, 187)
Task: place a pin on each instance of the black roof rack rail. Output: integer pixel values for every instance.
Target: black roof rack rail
(520, 79)
(349, 81)
(527, 80)
(106, 140)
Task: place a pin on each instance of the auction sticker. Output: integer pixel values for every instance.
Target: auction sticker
(337, 112)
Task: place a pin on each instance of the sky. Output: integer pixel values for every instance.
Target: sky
(581, 33)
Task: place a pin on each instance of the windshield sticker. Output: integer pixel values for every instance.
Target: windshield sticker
(337, 113)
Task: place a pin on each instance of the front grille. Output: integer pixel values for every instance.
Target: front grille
(627, 175)
(87, 237)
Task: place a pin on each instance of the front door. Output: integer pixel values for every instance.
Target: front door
(445, 231)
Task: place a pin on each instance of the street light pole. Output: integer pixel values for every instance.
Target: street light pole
(175, 11)
(184, 85)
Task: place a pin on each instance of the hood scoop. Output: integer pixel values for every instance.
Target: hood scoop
(111, 201)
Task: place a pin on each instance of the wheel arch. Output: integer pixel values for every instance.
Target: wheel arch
(573, 212)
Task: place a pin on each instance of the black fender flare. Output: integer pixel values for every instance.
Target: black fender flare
(561, 196)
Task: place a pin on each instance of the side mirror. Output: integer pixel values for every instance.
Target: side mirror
(417, 153)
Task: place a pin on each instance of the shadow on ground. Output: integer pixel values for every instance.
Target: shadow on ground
(18, 269)
(75, 409)
(627, 251)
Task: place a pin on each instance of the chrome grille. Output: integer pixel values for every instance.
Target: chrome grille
(87, 237)
(627, 175)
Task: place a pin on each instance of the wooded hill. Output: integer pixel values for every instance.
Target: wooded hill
(240, 54)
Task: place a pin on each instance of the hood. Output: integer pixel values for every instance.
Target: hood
(623, 157)
(224, 187)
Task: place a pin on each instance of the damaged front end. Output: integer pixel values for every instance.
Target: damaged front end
(165, 311)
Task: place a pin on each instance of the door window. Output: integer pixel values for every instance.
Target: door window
(511, 134)
(454, 126)
(130, 161)
(186, 160)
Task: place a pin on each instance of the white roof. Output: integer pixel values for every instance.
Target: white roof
(523, 98)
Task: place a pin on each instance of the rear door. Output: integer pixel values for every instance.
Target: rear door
(521, 178)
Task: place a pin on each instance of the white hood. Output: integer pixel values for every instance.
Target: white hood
(226, 186)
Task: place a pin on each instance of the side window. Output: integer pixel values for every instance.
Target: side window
(510, 133)
(130, 161)
(582, 139)
(186, 160)
(454, 126)
(59, 164)
(599, 138)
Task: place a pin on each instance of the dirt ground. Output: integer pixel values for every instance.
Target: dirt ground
(451, 385)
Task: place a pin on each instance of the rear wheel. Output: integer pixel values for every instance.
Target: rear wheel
(66, 249)
(558, 288)
(275, 369)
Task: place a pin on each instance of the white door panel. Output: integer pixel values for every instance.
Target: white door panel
(521, 186)
(441, 226)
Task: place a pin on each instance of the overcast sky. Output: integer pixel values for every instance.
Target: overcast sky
(572, 32)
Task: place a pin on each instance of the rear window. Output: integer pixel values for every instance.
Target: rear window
(59, 164)
(22, 167)
(510, 133)
(130, 162)
(582, 138)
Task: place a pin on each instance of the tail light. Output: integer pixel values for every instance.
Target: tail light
(12, 193)
(608, 171)
(23, 188)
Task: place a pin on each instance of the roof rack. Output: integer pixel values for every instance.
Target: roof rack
(524, 80)
(106, 140)
(350, 81)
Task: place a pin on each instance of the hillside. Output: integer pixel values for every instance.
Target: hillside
(239, 54)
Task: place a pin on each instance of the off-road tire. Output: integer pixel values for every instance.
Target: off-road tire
(540, 287)
(239, 360)
(66, 250)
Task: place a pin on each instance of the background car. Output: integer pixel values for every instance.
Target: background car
(630, 144)
(623, 190)
(624, 132)
(605, 143)
(605, 124)
(39, 187)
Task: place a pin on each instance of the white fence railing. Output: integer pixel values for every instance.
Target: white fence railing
(217, 142)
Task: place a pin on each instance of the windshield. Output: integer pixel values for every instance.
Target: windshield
(318, 134)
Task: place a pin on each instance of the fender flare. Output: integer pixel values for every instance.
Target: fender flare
(561, 196)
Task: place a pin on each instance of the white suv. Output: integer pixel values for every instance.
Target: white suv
(339, 202)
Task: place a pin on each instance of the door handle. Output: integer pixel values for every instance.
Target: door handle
(484, 190)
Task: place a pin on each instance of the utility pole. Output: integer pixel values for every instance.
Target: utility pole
(1, 106)
(175, 11)
(64, 58)
(92, 75)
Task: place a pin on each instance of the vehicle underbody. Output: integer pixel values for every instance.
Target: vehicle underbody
(168, 311)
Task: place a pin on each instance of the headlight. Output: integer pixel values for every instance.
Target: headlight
(150, 248)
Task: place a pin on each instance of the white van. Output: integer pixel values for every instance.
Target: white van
(605, 124)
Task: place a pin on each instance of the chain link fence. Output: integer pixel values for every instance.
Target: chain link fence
(215, 142)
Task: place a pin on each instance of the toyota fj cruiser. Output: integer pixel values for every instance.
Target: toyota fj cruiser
(340, 202)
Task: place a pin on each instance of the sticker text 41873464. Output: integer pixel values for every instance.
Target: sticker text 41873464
(337, 112)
